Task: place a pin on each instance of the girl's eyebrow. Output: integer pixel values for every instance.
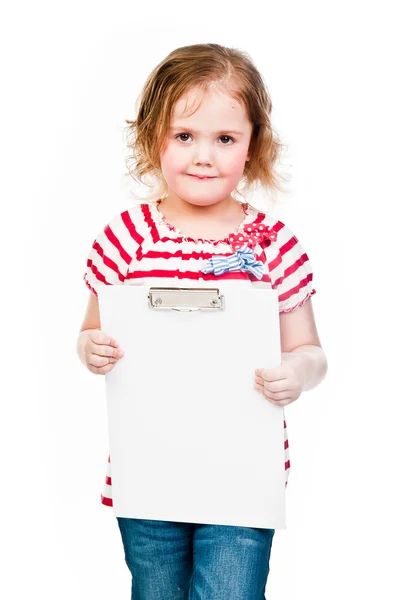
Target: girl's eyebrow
(185, 128)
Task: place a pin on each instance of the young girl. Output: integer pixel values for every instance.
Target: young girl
(202, 129)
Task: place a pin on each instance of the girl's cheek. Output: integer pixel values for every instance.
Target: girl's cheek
(236, 165)
(170, 158)
(173, 163)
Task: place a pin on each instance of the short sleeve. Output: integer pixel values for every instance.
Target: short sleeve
(290, 271)
(111, 254)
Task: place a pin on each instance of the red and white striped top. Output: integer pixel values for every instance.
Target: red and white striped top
(138, 247)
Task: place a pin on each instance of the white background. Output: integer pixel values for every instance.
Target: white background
(71, 73)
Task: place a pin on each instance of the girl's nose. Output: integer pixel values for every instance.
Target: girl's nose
(202, 155)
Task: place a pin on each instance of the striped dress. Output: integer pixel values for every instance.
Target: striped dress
(139, 247)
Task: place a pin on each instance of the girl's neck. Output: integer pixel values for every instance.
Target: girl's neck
(225, 210)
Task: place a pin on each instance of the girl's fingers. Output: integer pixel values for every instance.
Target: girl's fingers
(274, 397)
(103, 345)
(262, 388)
(102, 361)
(100, 337)
(109, 351)
(104, 350)
(102, 370)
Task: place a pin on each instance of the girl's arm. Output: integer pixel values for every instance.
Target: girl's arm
(299, 335)
(303, 364)
(91, 321)
(96, 350)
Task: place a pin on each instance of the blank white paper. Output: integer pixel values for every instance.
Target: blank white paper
(190, 438)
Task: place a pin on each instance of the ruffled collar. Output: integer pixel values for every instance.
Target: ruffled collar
(249, 220)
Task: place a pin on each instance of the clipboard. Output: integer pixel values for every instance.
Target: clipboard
(190, 439)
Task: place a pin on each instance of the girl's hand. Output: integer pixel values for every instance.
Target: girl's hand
(282, 385)
(101, 352)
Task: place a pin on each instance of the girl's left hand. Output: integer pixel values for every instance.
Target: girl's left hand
(284, 384)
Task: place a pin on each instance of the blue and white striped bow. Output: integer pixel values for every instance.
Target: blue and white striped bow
(241, 260)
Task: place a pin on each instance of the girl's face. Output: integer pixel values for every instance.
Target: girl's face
(213, 143)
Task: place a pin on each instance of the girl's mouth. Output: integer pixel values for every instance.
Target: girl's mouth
(201, 177)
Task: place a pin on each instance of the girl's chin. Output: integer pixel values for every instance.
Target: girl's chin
(206, 203)
(201, 193)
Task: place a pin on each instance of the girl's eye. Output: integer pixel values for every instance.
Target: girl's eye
(223, 137)
(182, 134)
(226, 137)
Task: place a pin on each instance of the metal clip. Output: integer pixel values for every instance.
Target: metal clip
(185, 299)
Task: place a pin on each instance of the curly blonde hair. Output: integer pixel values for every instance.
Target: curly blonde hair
(201, 66)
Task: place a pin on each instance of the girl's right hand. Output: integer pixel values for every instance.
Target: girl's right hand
(101, 352)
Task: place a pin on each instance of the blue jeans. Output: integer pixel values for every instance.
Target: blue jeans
(190, 561)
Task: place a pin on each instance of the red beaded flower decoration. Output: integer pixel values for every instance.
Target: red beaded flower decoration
(253, 234)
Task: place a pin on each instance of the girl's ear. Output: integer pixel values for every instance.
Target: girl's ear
(249, 151)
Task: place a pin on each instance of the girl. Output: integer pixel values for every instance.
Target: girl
(202, 130)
